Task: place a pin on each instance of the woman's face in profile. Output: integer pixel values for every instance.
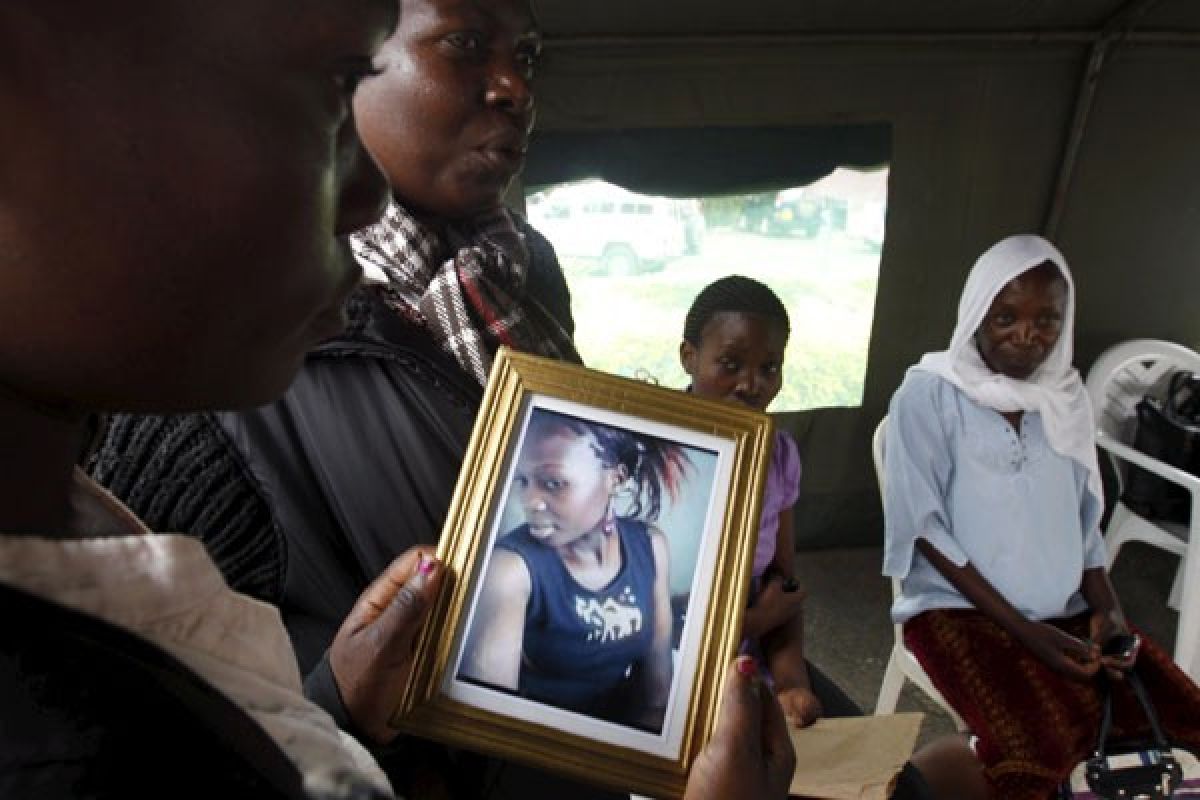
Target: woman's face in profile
(1024, 322)
(449, 114)
(178, 194)
(563, 486)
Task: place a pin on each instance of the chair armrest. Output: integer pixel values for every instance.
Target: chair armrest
(1150, 464)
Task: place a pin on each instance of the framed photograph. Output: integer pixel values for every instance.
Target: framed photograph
(599, 548)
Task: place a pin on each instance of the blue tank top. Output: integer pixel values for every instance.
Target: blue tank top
(580, 646)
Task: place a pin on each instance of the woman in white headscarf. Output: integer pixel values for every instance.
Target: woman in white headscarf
(993, 502)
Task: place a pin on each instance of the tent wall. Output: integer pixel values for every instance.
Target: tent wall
(978, 132)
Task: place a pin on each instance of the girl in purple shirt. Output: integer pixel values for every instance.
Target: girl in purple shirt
(733, 342)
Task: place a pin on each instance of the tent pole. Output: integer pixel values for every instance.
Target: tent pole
(1116, 30)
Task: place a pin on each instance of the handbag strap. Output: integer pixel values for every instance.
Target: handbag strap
(1185, 411)
(1178, 378)
(1139, 691)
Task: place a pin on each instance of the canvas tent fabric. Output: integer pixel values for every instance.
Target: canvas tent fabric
(561, 18)
(996, 112)
(685, 162)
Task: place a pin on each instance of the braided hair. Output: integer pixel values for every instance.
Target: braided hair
(735, 293)
(653, 465)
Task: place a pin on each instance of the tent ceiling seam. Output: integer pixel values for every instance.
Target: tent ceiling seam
(912, 38)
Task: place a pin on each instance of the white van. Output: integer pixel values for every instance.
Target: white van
(624, 231)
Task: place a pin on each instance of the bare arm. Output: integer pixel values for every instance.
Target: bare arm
(975, 588)
(1061, 651)
(784, 650)
(784, 561)
(493, 653)
(657, 663)
(1101, 597)
(773, 608)
(1108, 620)
(783, 645)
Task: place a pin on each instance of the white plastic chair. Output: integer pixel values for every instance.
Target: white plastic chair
(1118, 379)
(901, 664)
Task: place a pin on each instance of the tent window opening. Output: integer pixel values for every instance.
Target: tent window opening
(817, 245)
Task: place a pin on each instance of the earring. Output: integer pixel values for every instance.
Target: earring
(610, 518)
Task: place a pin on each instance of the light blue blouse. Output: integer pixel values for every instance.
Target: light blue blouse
(958, 475)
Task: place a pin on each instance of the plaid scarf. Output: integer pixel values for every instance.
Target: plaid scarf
(465, 285)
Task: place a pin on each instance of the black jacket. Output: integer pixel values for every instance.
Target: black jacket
(357, 463)
(303, 502)
(89, 710)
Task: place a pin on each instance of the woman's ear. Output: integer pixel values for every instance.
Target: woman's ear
(617, 477)
(687, 357)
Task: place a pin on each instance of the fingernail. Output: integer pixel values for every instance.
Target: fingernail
(746, 667)
(420, 576)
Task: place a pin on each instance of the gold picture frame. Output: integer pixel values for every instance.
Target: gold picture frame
(726, 450)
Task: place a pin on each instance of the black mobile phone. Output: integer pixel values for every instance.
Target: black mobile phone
(1121, 645)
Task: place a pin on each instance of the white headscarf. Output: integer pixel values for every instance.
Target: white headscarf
(1055, 389)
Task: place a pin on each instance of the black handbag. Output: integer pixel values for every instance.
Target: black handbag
(1133, 770)
(1169, 430)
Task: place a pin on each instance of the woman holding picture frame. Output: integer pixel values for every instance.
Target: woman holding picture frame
(305, 500)
(67, 669)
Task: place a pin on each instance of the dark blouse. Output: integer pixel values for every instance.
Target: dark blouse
(581, 646)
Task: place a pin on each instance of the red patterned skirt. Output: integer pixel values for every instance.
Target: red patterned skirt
(1035, 725)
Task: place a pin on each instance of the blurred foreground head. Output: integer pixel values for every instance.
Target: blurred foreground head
(174, 175)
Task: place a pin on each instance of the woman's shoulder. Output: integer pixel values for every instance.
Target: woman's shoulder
(786, 451)
(378, 337)
(374, 320)
(656, 534)
(520, 544)
(926, 404)
(922, 389)
(784, 470)
(645, 543)
(546, 281)
(183, 472)
(509, 571)
(785, 441)
(925, 381)
(643, 533)
(516, 538)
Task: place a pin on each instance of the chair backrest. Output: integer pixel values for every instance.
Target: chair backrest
(1124, 374)
(877, 443)
(877, 452)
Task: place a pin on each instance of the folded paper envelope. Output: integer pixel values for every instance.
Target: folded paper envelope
(853, 758)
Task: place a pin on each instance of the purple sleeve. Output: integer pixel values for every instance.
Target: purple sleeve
(787, 466)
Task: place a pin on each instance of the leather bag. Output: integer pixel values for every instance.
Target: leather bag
(1168, 429)
(1132, 770)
